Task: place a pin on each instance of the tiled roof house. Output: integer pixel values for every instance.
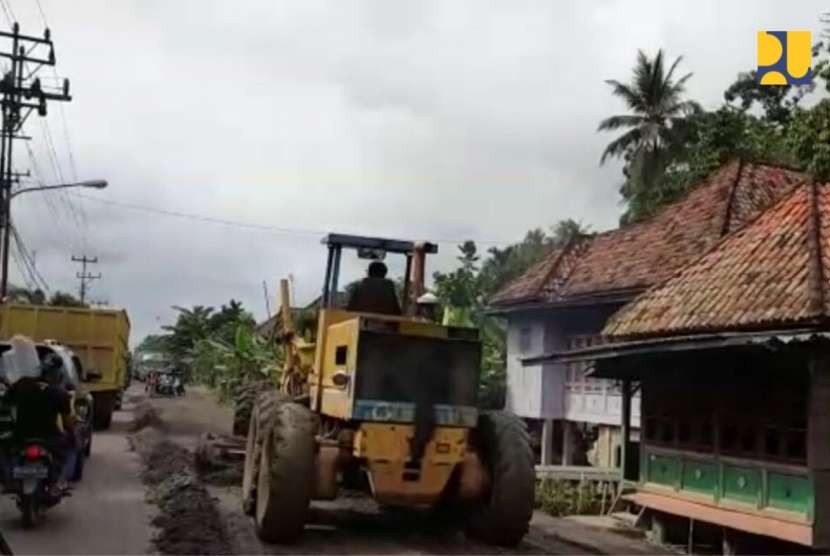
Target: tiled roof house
(774, 273)
(565, 300)
(731, 353)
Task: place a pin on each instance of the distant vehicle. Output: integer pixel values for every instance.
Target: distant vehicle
(146, 363)
(170, 382)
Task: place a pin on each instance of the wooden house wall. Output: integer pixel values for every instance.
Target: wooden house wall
(731, 432)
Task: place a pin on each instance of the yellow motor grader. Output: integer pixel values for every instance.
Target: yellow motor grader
(386, 404)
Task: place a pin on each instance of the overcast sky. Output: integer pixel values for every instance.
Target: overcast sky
(424, 120)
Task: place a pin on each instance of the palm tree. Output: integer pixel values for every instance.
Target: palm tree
(658, 116)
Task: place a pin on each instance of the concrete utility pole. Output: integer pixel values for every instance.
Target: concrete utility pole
(21, 93)
(84, 276)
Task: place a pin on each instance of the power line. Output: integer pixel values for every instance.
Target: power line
(68, 207)
(80, 213)
(7, 13)
(9, 8)
(247, 225)
(23, 274)
(42, 13)
(47, 199)
(29, 261)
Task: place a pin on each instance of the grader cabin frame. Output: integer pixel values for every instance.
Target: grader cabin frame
(385, 404)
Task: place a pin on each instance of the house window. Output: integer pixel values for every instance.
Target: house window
(525, 339)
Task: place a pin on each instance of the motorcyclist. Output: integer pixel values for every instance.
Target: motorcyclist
(44, 411)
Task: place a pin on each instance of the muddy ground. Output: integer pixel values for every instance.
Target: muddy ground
(202, 513)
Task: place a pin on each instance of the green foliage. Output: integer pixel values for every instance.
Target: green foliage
(808, 137)
(220, 348)
(776, 103)
(508, 263)
(152, 343)
(464, 293)
(26, 296)
(226, 367)
(38, 297)
(63, 299)
(713, 138)
(559, 497)
(762, 124)
(656, 125)
(460, 288)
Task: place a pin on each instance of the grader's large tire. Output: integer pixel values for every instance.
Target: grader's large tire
(244, 402)
(262, 418)
(503, 518)
(285, 478)
(249, 473)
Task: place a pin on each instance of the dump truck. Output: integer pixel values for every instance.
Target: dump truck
(385, 404)
(99, 337)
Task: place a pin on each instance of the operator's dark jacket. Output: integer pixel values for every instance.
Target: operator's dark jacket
(375, 295)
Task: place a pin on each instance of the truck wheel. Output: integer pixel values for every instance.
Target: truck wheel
(263, 410)
(504, 447)
(102, 411)
(102, 419)
(285, 479)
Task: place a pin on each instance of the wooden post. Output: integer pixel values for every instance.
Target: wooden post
(567, 443)
(729, 545)
(625, 428)
(658, 528)
(285, 308)
(547, 442)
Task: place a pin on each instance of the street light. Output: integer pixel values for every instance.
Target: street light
(90, 184)
(6, 213)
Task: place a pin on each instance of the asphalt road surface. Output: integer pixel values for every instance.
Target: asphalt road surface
(106, 513)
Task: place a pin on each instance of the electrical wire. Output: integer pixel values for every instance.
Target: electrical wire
(29, 261)
(50, 204)
(59, 176)
(79, 213)
(8, 12)
(244, 225)
(42, 13)
(20, 268)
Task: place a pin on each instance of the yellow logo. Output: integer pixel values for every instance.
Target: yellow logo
(784, 58)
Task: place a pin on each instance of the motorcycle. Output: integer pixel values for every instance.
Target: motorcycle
(32, 481)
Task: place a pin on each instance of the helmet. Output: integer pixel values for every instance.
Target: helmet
(428, 299)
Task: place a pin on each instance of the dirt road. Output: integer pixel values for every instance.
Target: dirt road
(356, 525)
(106, 514)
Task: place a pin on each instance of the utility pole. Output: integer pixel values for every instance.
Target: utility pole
(21, 93)
(84, 276)
(267, 299)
